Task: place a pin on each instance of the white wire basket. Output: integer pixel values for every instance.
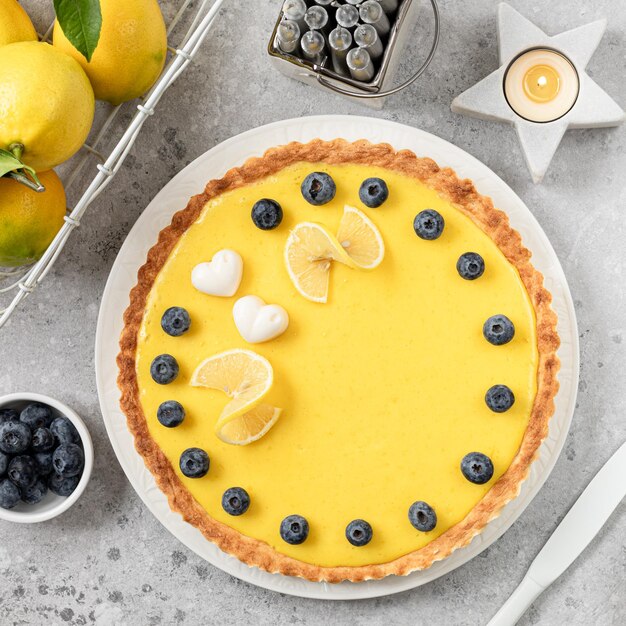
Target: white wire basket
(16, 284)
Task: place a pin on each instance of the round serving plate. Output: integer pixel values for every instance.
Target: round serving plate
(214, 164)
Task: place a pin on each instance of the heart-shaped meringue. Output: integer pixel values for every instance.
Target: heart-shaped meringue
(221, 276)
(257, 321)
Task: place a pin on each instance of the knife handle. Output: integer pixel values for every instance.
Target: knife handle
(517, 604)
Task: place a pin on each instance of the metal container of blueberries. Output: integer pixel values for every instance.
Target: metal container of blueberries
(51, 505)
(373, 92)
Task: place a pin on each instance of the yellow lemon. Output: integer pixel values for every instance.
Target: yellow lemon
(29, 220)
(15, 25)
(130, 53)
(46, 103)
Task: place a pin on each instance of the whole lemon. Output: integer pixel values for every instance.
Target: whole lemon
(29, 220)
(130, 53)
(15, 25)
(46, 103)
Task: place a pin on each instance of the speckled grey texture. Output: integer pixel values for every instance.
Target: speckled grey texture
(108, 561)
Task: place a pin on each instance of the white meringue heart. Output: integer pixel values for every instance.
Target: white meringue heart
(221, 276)
(257, 321)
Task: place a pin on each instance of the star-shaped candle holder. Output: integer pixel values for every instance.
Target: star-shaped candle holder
(541, 87)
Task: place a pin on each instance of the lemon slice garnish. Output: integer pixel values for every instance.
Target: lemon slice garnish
(360, 238)
(311, 250)
(309, 253)
(247, 378)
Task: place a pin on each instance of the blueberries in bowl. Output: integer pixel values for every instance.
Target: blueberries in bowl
(64, 431)
(14, 437)
(9, 494)
(63, 486)
(68, 460)
(22, 471)
(42, 440)
(36, 415)
(40, 451)
(35, 493)
(318, 188)
(8, 414)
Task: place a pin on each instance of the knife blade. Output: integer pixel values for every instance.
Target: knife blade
(581, 524)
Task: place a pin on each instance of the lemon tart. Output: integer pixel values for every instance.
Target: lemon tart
(338, 361)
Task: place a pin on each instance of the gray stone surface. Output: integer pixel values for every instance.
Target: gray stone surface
(109, 561)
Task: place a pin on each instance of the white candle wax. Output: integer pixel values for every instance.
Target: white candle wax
(541, 85)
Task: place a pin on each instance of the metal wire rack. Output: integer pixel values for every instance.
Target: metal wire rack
(18, 283)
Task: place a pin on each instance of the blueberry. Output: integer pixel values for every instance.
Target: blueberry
(43, 462)
(14, 437)
(42, 440)
(235, 501)
(318, 188)
(62, 485)
(175, 321)
(294, 529)
(267, 214)
(9, 494)
(68, 460)
(8, 414)
(164, 369)
(373, 192)
(422, 516)
(64, 431)
(35, 493)
(428, 224)
(171, 413)
(4, 463)
(470, 266)
(477, 468)
(498, 330)
(499, 398)
(36, 416)
(359, 532)
(22, 471)
(194, 463)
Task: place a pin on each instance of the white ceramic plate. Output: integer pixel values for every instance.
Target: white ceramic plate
(213, 164)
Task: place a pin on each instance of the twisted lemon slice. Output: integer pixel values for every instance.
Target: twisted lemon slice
(311, 248)
(247, 378)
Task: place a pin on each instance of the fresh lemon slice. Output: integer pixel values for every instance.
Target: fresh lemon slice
(360, 238)
(247, 378)
(309, 253)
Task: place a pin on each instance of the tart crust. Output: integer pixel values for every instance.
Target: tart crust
(492, 221)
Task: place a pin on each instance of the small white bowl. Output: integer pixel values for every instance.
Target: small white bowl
(52, 505)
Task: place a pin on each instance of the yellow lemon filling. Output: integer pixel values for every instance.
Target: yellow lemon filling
(382, 387)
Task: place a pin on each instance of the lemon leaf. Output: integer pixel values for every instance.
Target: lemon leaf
(12, 167)
(80, 21)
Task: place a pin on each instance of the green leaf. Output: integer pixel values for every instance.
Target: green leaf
(11, 166)
(81, 21)
(8, 163)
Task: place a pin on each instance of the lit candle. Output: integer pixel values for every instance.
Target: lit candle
(541, 85)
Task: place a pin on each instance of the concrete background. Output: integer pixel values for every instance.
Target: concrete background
(108, 561)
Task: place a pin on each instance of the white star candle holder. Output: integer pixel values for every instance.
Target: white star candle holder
(541, 87)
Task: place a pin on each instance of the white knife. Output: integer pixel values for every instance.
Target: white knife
(582, 523)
